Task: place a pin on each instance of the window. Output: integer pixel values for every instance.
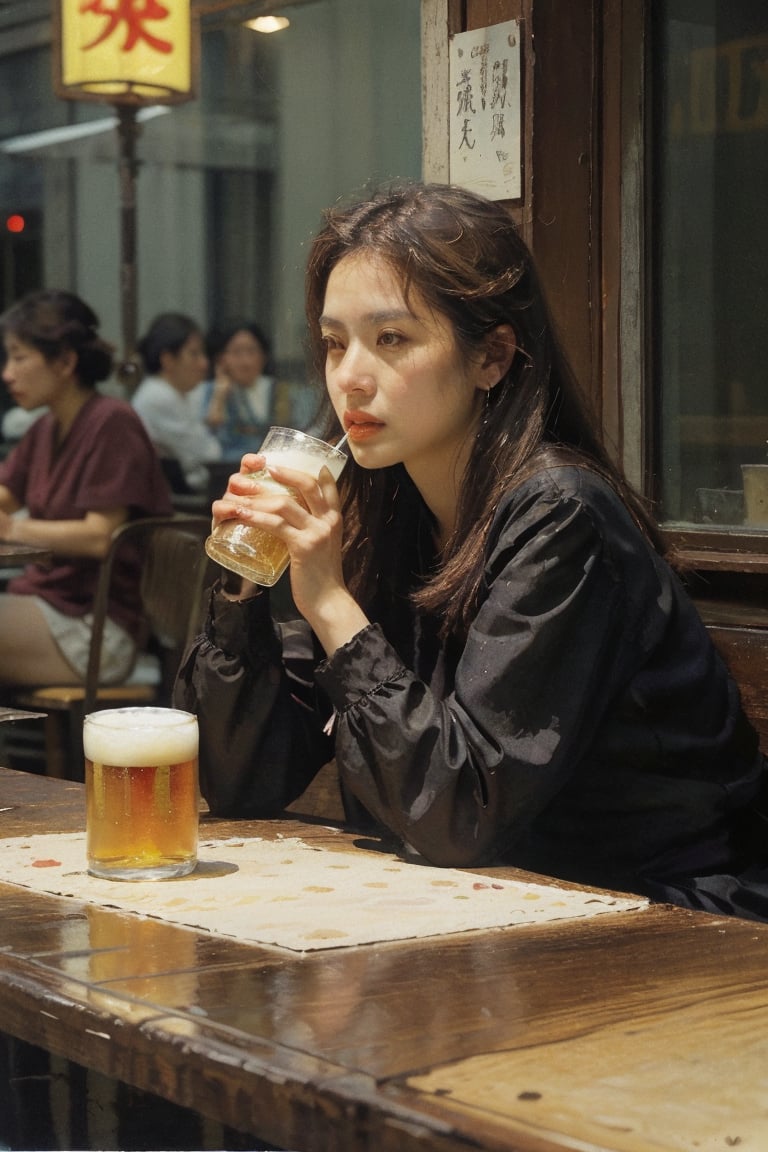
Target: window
(709, 276)
(231, 186)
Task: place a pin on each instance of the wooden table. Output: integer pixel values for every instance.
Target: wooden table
(15, 555)
(629, 1032)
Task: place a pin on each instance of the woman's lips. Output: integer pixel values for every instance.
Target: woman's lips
(359, 429)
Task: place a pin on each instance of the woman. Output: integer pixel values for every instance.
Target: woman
(83, 469)
(492, 645)
(238, 403)
(173, 353)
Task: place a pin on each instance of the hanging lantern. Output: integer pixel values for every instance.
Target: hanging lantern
(124, 51)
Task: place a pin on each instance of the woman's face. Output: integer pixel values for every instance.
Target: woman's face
(32, 380)
(243, 359)
(188, 367)
(394, 372)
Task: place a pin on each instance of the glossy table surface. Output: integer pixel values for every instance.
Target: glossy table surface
(631, 1031)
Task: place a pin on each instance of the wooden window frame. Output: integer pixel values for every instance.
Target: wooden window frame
(588, 211)
(633, 420)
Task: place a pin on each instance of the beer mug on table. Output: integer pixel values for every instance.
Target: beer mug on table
(252, 552)
(141, 793)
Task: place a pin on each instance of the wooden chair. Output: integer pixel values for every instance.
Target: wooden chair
(173, 577)
(321, 799)
(745, 651)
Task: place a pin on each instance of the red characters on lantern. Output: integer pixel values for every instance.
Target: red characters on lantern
(134, 15)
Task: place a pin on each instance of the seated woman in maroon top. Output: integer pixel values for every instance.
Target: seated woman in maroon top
(82, 470)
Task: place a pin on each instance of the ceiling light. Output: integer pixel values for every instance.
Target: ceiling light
(268, 23)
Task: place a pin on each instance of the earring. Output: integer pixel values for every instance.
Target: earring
(486, 407)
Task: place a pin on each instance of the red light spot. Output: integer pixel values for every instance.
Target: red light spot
(15, 223)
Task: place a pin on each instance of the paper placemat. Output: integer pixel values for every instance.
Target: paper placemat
(302, 897)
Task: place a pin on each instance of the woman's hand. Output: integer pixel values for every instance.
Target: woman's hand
(310, 525)
(6, 526)
(217, 405)
(240, 488)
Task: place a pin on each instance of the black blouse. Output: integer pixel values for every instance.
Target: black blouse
(586, 728)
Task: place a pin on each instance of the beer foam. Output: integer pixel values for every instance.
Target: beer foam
(140, 737)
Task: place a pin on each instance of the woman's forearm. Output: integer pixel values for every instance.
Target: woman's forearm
(89, 537)
(261, 738)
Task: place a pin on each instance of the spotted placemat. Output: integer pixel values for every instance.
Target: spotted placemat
(295, 895)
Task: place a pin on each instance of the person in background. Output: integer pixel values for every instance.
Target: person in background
(81, 470)
(238, 403)
(492, 644)
(173, 354)
(16, 420)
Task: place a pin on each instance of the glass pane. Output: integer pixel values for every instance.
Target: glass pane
(710, 259)
(230, 186)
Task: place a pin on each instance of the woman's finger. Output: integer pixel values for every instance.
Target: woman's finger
(316, 493)
(255, 503)
(328, 486)
(253, 462)
(243, 484)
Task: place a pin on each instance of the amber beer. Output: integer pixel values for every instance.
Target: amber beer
(141, 793)
(251, 552)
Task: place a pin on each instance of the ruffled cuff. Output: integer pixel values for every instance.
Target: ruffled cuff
(237, 627)
(359, 668)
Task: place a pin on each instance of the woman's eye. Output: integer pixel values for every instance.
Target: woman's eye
(331, 342)
(390, 339)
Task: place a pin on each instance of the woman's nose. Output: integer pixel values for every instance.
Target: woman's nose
(355, 373)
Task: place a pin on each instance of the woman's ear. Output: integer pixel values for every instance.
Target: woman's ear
(167, 360)
(66, 361)
(500, 348)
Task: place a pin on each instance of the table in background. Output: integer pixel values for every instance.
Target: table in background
(625, 1032)
(13, 555)
(17, 555)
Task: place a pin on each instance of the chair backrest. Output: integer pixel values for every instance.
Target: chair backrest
(219, 472)
(173, 577)
(745, 651)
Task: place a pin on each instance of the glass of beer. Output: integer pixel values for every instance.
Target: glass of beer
(252, 552)
(141, 793)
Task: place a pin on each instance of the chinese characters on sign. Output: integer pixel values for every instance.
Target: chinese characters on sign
(129, 50)
(131, 17)
(485, 132)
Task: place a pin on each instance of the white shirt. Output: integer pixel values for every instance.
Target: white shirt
(173, 423)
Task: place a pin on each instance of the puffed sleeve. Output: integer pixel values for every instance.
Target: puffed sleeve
(459, 777)
(120, 466)
(250, 682)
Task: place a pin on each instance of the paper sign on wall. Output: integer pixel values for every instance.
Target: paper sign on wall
(485, 121)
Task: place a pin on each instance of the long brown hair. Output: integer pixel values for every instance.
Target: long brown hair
(462, 254)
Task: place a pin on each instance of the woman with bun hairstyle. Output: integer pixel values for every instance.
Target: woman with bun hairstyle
(83, 469)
